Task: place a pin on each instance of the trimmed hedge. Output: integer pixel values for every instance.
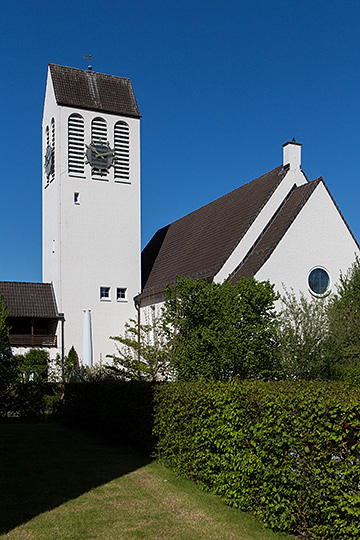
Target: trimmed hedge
(122, 411)
(287, 452)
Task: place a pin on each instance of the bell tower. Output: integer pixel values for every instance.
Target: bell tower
(91, 204)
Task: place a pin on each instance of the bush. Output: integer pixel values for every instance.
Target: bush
(344, 324)
(288, 452)
(304, 338)
(219, 330)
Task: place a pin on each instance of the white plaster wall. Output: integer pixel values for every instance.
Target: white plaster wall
(293, 177)
(53, 351)
(150, 312)
(317, 237)
(97, 242)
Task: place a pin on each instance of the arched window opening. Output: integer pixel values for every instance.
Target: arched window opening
(122, 151)
(52, 144)
(76, 145)
(46, 156)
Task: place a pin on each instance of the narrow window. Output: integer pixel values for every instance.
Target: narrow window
(122, 151)
(104, 293)
(121, 294)
(76, 145)
(76, 198)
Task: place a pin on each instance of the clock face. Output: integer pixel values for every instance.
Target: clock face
(100, 156)
(49, 161)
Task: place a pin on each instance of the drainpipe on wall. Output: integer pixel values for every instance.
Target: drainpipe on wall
(62, 319)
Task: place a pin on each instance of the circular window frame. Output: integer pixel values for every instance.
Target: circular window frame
(328, 290)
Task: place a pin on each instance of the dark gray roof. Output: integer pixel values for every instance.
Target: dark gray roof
(95, 91)
(29, 299)
(200, 243)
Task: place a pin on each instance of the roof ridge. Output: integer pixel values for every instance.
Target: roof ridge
(91, 72)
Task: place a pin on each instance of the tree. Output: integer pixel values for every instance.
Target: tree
(5, 350)
(142, 353)
(33, 366)
(67, 368)
(8, 366)
(303, 336)
(220, 331)
(344, 324)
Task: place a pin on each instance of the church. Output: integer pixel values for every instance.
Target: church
(279, 227)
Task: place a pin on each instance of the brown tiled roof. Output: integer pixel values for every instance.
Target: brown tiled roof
(273, 233)
(95, 91)
(29, 299)
(200, 243)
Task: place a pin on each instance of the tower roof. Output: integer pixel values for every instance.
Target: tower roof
(94, 91)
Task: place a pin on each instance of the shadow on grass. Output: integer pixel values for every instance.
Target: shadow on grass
(44, 464)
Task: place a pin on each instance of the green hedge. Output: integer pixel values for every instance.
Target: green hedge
(122, 411)
(288, 452)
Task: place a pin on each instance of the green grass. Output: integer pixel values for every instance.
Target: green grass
(58, 483)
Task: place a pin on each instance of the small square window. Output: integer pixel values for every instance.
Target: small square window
(121, 294)
(104, 293)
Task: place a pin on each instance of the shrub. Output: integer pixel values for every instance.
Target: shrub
(288, 452)
(221, 330)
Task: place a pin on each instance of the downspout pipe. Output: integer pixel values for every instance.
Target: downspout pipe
(62, 319)
(137, 307)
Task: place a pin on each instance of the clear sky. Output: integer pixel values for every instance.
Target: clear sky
(221, 85)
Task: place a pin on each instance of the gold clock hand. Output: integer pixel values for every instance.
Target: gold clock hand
(107, 153)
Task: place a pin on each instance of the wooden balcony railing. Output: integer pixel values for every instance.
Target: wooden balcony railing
(25, 340)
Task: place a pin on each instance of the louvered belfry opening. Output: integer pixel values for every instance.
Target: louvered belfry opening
(99, 135)
(47, 135)
(52, 173)
(122, 151)
(76, 145)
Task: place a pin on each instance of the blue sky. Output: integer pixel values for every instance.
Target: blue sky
(221, 85)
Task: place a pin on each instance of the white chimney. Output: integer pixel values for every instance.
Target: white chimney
(292, 155)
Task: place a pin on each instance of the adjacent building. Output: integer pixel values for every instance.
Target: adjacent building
(33, 318)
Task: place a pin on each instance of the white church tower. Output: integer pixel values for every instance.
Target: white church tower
(91, 205)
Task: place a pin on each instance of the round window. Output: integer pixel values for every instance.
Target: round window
(319, 282)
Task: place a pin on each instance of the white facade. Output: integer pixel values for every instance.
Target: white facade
(318, 238)
(91, 231)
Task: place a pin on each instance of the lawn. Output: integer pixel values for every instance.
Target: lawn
(58, 483)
